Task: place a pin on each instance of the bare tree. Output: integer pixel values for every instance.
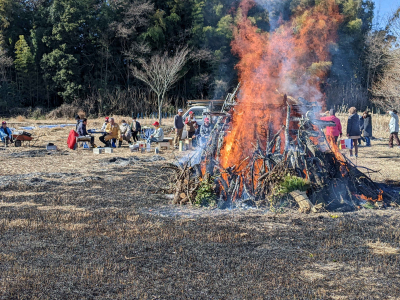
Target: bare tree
(378, 48)
(136, 14)
(5, 63)
(386, 89)
(161, 72)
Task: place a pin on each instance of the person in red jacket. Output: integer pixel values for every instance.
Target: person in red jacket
(332, 133)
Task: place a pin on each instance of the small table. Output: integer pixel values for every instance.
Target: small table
(96, 132)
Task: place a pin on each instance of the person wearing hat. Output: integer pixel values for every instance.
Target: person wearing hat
(103, 128)
(190, 121)
(205, 130)
(5, 133)
(178, 125)
(157, 135)
(333, 132)
(112, 132)
(135, 128)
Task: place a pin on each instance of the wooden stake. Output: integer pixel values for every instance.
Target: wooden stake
(287, 128)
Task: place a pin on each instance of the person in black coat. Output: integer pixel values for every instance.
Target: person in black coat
(361, 130)
(83, 132)
(136, 128)
(367, 128)
(353, 129)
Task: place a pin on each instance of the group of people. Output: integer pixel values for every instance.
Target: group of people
(112, 131)
(129, 133)
(199, 134)
(359, 127)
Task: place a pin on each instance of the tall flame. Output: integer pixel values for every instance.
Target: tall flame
(293, 59)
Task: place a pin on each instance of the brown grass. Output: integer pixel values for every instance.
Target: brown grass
(116, 237)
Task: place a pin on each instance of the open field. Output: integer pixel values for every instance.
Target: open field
(78, 226)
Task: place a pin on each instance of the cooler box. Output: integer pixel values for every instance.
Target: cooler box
(346, 144)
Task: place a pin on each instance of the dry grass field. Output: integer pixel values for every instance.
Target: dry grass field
(78, 226)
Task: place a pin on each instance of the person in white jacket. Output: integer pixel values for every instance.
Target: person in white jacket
(393, 128)
(103, 128)
(125, 132)
(157, 135)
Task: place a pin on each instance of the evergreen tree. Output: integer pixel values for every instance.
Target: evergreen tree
(24, 65)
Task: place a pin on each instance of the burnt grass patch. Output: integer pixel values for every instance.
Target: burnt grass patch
(86, 237)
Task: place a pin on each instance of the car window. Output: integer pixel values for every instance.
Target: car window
(198, 113)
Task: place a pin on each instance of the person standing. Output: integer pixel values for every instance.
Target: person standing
(333, 132)
(367, 128)
(353, 129)
(393, 128)
(190, 121)
(178, 125)
(135, 128)
(5, 133)
(361, 129)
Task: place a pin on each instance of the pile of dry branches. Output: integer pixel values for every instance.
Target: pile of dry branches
(329, 180)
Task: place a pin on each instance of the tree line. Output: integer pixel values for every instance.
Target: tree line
(92, 53)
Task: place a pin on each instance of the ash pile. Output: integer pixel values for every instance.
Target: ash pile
(294, 166)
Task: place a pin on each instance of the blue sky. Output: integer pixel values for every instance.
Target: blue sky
(384, 7)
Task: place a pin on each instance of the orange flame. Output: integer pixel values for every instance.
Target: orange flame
(293, 59)
(363, 197)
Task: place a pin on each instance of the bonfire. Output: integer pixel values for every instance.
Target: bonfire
(268, 148)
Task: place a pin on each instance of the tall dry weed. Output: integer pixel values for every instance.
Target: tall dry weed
(20, 118)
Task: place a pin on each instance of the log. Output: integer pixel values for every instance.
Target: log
(302, 200)
(185, 200)
(317, 208)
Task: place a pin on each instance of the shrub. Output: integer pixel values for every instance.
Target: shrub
(38, 113)
(292, 183)
(65, 111)
(205, 194)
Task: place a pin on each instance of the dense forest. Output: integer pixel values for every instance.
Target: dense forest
(86, 52)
